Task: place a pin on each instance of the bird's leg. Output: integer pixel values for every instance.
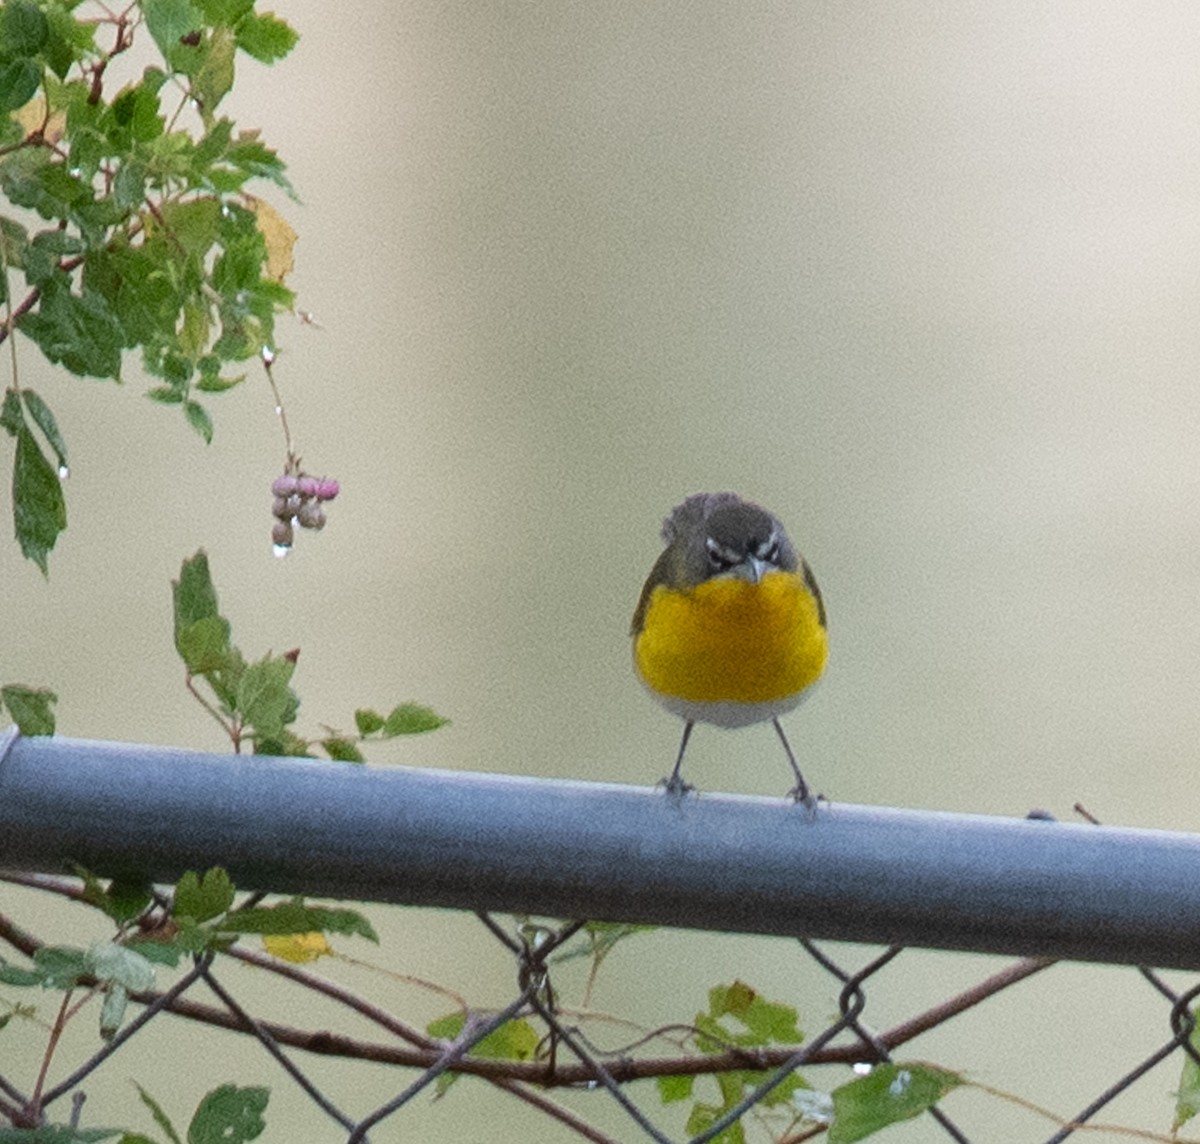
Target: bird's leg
(800, 792)
(675, 784)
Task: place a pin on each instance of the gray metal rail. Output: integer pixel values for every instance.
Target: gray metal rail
(604, 852)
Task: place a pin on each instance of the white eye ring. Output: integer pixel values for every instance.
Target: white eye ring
(720, 557)
(769, 549)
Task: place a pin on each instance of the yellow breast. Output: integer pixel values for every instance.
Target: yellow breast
(728, 640)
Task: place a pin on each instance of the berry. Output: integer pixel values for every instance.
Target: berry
(311, 515)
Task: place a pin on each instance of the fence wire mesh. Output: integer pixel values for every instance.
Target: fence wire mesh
(769, 1091)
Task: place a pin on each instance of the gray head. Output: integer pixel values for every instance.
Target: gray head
(720, 534)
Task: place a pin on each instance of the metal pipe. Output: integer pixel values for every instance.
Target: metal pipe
(604, 852)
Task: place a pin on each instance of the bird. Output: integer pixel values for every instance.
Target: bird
(730, 625)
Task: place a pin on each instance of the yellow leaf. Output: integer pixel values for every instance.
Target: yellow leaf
(32, 118)
(280, 239)
(298, 948)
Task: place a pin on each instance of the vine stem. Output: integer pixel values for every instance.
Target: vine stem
(267, 359)
(230, 728)
(8, 313)
(56, 1032)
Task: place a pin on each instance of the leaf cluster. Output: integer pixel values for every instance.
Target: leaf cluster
(203, 916)
(253, 700)
(199, 916)
(737, 1016)
(740, 1017)
(135, 228)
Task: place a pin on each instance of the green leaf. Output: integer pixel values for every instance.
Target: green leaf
(124, 971)
(134, 117)
(250, 155)
(119, 964)
(288, 744)
(123, 899)
(79, 331)
(888, 1094)
(70, 40)
(129, 187)
(177, 368)
(194, 331)
(342, 750)
(190, 938)
(675, 1088)
(170, 23)
(515, 1040)
(23, 177)
(194, 594)
(12, 419)
(213, 382)
(265, 37)
(199, 419)
(411, 719)
(702, 1118)
(158, 952)
(598, 940)
(160, 1117)
(204, 645)
(61, 966)
(1187, 1098)
(39, 507)
(112, 1010)
(264, 698)
(23, 29)
(45, 251)
(19, 81)
(227, 12)
(14, 975)
(765, 1021)
(14, 239)
(31, 708)
(142, 286)
(212, 80)
(203, 898)
(368, 721)
(193, 224)
(293, 916)
(229, 1115)
(44, 420)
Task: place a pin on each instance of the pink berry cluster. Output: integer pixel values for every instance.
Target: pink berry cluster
(298, 501)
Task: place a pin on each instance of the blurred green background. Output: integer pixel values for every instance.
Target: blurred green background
(921, 278)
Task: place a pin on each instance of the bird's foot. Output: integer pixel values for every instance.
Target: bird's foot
(802, 795)
(675, 786)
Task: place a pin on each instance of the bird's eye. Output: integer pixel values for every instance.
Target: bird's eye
(720, 558)
(768, 550)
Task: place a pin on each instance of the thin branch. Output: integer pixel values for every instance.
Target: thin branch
(10, 322)
(326, 1043)
(230, 730)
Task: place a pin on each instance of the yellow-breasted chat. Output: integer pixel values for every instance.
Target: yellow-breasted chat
(730, 626)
